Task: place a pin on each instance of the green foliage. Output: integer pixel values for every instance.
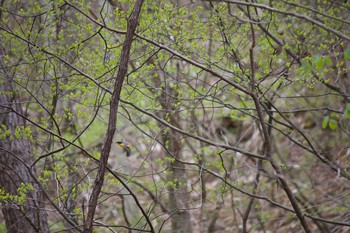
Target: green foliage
(66, 73)
(4, 132)
(329, 122)
(319, 62)
(23, 132)
(2, 227)
(20, 198)
(325, 122)
(347, 111)
(333, 124)
(347, 54)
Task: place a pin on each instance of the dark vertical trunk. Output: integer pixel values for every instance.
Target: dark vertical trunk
(26, 215)
(106, 148)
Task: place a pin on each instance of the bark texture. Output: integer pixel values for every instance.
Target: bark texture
(178, 203)
(15, 153)
(115, 98)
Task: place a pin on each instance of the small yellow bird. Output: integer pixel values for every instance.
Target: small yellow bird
(125, 146)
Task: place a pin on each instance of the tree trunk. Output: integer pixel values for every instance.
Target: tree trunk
(27, 214)
(178, 204)
(112, 122)
(178, 193)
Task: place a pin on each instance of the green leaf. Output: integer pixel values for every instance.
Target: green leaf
(333, 114)
(327, 61)
(347, 111)
(325, 122)
(347, 54)
(333, 124)
(319, 64)
(315, 59)
(305, 65)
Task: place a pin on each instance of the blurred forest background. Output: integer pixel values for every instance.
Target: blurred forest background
(237, 114)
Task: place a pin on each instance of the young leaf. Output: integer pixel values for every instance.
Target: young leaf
(315, 59)
(325, 122)
(327, 61)
(319, 64)
(333, 124)
(347, 54)
(305, 65)
(347, 111)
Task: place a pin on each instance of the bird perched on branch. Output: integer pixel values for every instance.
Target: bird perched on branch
(125, 146)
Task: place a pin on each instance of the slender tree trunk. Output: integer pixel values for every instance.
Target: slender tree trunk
(177, 179)
(123, 67)
(178, 193)
(26, 215)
